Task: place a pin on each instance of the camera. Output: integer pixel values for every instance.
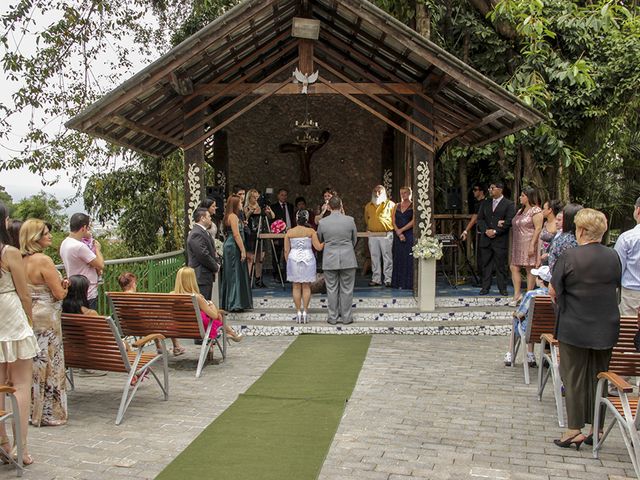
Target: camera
(265, 199)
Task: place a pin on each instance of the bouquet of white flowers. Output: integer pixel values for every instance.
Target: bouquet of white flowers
(427, 247)
(219, 247)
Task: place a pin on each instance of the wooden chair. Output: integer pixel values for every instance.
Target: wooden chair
(94, 343)
(172, 315)
(625, 361)
(540, 319)
(14, 417)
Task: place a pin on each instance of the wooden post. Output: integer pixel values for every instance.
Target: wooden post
(193, 166)
(423, 173)
(305, 56)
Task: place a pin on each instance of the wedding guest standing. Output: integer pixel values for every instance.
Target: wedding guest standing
(282, 210)
(567, 238)
(301, 262)
(235, 293)
(550, 211)
(584, 286)
(201, 252)
(402, 276)
(323, 210)
(18, 344)
(14, 232)
(628, 248)
(48, 289)
(526, 226)
(257, 219)
(378, 218)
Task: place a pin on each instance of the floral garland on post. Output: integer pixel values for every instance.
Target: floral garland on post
(427, 247)
(193, 181)
(219, 247)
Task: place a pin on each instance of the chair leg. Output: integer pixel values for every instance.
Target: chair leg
(17, 435)
(204, 350)
(70, 378)
(557, 386)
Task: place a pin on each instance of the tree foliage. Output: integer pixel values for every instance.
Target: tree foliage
(42, 206)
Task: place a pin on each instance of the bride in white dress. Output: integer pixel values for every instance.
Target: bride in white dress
(301, 262)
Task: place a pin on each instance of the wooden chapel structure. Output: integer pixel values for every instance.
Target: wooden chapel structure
(190, 94)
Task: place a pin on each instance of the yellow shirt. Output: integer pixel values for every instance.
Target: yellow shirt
(378, 217)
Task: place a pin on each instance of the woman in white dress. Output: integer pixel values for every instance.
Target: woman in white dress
(301, 262)
(18, 344)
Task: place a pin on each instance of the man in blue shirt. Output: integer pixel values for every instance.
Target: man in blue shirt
(628, 248)
(543, 277)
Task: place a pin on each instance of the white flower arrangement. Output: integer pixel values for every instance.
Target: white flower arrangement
(427, 247)
(219, 247)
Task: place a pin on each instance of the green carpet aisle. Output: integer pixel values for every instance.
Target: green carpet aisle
(283, 426)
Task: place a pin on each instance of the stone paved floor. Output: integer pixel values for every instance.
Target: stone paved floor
(423, 408)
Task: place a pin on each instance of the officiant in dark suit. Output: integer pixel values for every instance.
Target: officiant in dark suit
(494, 222)
(282, 210)
(201, 252)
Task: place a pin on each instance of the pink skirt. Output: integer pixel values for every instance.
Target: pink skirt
(216, 325)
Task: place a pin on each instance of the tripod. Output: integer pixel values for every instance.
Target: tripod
(263, 227)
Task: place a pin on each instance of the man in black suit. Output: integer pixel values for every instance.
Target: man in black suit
(494, 222)
(282, 210)
(201, 252)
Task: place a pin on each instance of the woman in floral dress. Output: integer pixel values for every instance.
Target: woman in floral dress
(49, 396)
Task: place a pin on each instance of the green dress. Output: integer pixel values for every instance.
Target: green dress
(235, 289)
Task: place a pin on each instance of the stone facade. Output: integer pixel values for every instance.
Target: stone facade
(350, 162)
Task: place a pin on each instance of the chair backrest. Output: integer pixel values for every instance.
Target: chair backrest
(542, 318)
(625, 360)
(93, 342)
(172, 315)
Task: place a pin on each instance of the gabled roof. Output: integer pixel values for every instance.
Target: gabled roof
(250, 50)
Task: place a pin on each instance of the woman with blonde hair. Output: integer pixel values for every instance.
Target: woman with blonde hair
(48, 289)
(186, 283)
(584, 286)
(18, 344)
(252, 213)
(235, 291)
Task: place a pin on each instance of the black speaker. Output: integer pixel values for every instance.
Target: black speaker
(454, 199)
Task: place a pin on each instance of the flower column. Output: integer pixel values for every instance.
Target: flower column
(193, 165)
(423, 169)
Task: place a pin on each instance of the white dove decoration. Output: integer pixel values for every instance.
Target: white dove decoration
(304, 79)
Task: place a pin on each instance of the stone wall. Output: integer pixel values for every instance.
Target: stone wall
(350, 161)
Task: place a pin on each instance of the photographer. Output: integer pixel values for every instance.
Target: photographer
(253, 209)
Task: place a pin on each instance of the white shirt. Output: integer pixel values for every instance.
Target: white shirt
(496, 201)
(76, 256)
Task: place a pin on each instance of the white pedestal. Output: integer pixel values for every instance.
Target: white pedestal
(427, 285)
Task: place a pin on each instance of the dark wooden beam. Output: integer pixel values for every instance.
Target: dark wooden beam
(471, 126)
(305, 54)
(137, 127)
(373, 88)
(379, 115)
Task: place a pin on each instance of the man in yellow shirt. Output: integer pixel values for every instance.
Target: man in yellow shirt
(377, 216)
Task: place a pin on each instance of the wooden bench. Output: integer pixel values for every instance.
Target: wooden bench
(625, 362)
(172, 315)
(541, 319)
(94, 343)
(14, 417)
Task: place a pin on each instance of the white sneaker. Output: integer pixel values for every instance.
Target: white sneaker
(507, 359)
(531, 360)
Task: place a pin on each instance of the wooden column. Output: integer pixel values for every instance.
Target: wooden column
(305, 54)
(193, 165)
(423, 187)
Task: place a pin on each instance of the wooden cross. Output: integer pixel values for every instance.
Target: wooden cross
(305, 155)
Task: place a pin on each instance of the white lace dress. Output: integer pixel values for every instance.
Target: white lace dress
(17, 341)
(301, 264)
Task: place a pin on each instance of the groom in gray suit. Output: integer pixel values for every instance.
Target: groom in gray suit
(339, 264)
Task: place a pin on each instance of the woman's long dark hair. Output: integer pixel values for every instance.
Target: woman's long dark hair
(76, 295)
(533, 197)
(4, 234)
(568, 217)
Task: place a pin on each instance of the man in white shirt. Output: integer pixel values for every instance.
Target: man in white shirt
(78, 256)
(628, 248)
(81, 255)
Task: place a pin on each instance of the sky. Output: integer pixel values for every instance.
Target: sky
(21, 183)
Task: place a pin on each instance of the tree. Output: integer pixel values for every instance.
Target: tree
(42, 206)
(6, 198)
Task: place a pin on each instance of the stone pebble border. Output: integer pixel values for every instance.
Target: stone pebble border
(467, 316)
(476, 330)
(408, 303)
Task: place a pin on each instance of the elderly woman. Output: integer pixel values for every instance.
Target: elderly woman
(584, 286)
(567, 238)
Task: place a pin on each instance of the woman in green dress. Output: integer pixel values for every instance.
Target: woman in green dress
(235, 290)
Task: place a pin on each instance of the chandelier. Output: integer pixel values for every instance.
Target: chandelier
(307, 131)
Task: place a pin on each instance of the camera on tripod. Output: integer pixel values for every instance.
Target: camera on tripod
(266, 198)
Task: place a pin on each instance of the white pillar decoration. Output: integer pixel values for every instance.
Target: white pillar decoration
(426, 267)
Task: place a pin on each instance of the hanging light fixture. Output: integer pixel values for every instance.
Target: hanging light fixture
(307, 131)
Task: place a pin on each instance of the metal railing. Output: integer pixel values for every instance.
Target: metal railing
(155, 274)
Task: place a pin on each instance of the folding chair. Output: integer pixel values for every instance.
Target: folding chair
(625, 361)
(14, 417)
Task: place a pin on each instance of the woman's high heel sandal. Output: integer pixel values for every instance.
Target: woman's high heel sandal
(571, 441)
(304, 317)
(299, 317)
(5, 445)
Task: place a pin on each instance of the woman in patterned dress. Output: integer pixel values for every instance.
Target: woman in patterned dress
(550, 210)
(48, 289)
(18, 344)
(526, 227)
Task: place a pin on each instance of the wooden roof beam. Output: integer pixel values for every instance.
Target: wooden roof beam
(136, 127)
(472, 126)
(371, 88)
(379, 115)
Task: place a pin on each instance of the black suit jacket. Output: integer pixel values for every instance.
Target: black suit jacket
(280, 215)
(489, 219)
(201, 254)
